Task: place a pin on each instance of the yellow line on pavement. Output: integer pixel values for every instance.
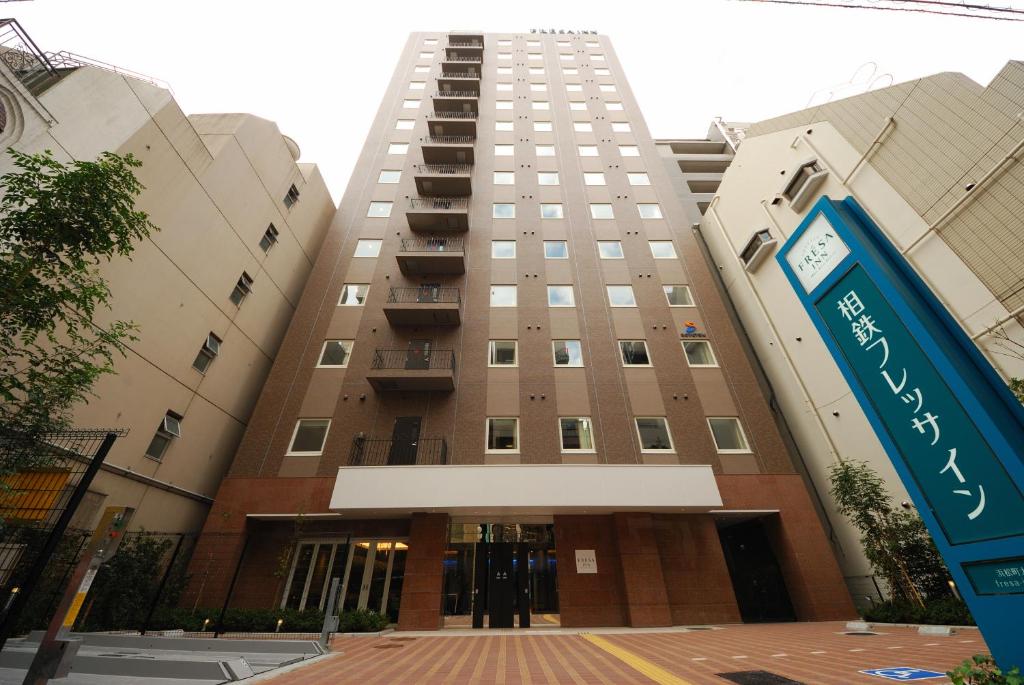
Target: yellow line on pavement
(655, 673)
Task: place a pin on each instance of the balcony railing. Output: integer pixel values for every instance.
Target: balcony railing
(460, 74)
(383, 452)
(449, 140)
(456, 94)
(432, 245)
(462, 59)
(452, 115)
(412, 360)
(439, 203)
(422, 295)
(22, 56)
(443, 169)
(464, 44)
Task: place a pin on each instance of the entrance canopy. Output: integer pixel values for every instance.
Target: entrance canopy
(537, 489)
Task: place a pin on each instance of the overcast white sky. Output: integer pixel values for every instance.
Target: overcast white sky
(319, 68)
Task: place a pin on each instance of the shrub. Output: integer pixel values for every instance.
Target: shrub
(264, 620)
(947, 611)
(362, 621)
(982, 670)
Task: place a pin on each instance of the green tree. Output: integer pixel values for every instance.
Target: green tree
(58, 223)
(895, 540)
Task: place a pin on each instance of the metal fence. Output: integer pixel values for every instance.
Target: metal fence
(432, 244)
(413, 359)
(424, 295)
(387, 452)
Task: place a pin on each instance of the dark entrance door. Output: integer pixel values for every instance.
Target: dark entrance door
(404, 439)
(756, 577)
(501, 586)
(523, 583)
(417, 356)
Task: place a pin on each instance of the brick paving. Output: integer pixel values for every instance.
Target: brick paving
(811, 653)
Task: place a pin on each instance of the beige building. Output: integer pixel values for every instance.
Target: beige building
(241, 222)
(934, 163)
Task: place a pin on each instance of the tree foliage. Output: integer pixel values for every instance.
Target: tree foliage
(58, 223)
(895, 540)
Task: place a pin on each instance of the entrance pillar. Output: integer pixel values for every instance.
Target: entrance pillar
(424, 573)
(642, 578)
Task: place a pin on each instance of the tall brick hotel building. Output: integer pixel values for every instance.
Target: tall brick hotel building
(511, 391)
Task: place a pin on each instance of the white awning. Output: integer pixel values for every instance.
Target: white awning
(382, 491)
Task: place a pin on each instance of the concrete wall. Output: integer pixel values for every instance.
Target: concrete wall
(213, 184)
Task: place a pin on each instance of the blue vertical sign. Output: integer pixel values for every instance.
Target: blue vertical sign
(952, 429)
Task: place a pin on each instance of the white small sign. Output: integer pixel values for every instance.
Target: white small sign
(816, 253)
(586, 561)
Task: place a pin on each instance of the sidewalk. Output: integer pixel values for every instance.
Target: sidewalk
(808, 653)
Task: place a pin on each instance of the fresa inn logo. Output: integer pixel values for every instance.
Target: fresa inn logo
(816, 253)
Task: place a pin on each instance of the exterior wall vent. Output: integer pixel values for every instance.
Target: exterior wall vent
(805, 182)
(757, 249)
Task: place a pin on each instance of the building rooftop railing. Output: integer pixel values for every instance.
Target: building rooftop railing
(424, 295)
(452, 115)
(434, 244)
(443, 203)
(448, 140)
(22, 56)
(443, 169)
(456, 94)
(413, 360)
(386, 452)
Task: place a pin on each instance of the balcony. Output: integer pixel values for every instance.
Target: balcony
(459, 81)
(442, 124)
(459, 47)
(444, 179)
(426, 305)
(430, 256)
(453, 61)
(414, 369)
(438, 214)
(386, 452)
(448, 149)
(456, 100)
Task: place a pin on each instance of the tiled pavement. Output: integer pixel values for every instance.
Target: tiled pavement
(811, 653)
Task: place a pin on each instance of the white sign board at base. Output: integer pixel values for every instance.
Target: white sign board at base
(586, 561)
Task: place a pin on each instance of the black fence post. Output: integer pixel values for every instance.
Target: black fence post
(231, 588)
(10, 619)
(163, 582)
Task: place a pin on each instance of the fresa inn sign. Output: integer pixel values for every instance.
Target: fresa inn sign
(815, 253)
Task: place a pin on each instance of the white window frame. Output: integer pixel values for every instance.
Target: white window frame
(393, 148)
(515, 292)
(487, 435)
(668, 432)
(399, 124)
(563, 242)
(345, 286)
(652, 243)
(368, 243)
(348, 354)
(398, 178)
(600, 255)
(620, 285)
(632, 175)
(380, 203)
(554, 361)
(291, 443)
(577, 106)
(542, 127)
(588, 176)
(572, 295)
(617, 127)
(544, 150)
(592, 205)
(647, 350)
(494, 210)
(490, 354)
(560, 211)
(504, 126)
(628, 150)
(689, 294)
(583, 450)
(656, 205)
(582, 127)
(540, 180)
(500, 150)
(743, 435)
(494, 244)
(587, 151)
(502, 183)
(714, 358)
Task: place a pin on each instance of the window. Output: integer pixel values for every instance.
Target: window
(541, 104)
(389, 176)
(533, 43)
(504, 178)
(410, 104)
(653, 434)
(367, 248)
(545, 150)
(582, 127)
(430, 41)
(556, 249)
(629, 151)
(601, 211)
(166, 432)
(379, 209)
(649, 211)
(570, 71)
(269, 238)
(561, 296)
(241, 290)
(613, 106)
(504, 87)
(621, 296)
(551, 211)
(578, 106)
(536, 71)
(292, 196)
(610, 249)
(574, 88)
(577, 434)
(662, 249)
(620, 127)
(598, 57)
(699, 353)
(607, 88)
(503, 249)
(728, 434)
(503, 296)
(504, 71)
(209, 350)
(547, 178)
(678, 295)
(534, 56)
(602, 72)
(335, 353)
(504, 55)
(426, 55)
(542, 126)
(592, 44)
(503, 211)
(309, 436)
(417, 85)
(567, 352)
(504, 43)
(353, 294)
(503, 435)
(587, 150)
(421, 70)
(503, 104)
(638, 179)
(634, 353)
(538, 88)
(562, 43)
(504, 150)
(503, 126)
(502, 353)
(405, 124)
(593, 178)
(566, 57)
(398, 148)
